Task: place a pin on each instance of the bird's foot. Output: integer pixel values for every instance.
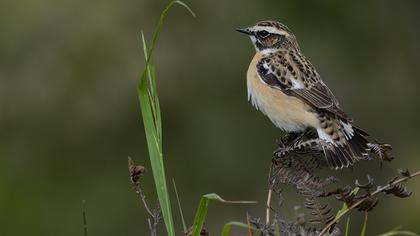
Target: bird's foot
(289, 138)
(280, 156)
(293, 137)
(298, 147)
(282, 151)
(298, 144)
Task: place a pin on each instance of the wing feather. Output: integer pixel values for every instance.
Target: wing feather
(285, 70)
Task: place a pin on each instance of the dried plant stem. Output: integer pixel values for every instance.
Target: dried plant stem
(354, 205)
(153, 226)
(248, 222)
(154, 215)
(267, 210)
(270, 192)
(143, 199)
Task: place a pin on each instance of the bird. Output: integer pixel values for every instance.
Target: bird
(284, 85)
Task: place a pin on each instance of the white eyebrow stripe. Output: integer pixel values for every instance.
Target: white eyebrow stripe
(269, 29)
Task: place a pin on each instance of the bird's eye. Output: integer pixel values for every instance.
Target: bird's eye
(263, 34)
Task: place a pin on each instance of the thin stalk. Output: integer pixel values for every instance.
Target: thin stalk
(270, 192)
(184, 226)
(268, 209)
(85, 228)
(363, 233)
(347, 226)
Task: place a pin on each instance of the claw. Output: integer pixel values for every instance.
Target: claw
(281, 151)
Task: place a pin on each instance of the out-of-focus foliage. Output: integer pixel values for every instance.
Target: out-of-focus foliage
(69, 111)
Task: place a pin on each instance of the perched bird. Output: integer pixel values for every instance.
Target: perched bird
(284, 85)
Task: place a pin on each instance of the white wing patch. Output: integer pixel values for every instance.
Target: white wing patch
(265, 65)
(296, 84)
(324, 136)
(348, 130)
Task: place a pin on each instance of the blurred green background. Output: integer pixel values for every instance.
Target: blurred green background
(69, 113)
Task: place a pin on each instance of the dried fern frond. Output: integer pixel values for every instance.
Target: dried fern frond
(345, 194)
(321, 214)
(368, 204)
(399, 190)
(381, 150)
(296, 162)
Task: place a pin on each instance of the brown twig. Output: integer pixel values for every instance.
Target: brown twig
(270, 191)
(267, 210)
(139, 191)
(354, 205)
(248, 222)
(154, 215)
(136, 171)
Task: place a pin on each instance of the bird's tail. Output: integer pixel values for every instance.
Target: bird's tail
(346, 144)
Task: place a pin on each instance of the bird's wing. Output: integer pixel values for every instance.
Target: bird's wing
(295, 76)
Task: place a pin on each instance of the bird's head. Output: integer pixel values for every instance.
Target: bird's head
(270, 36)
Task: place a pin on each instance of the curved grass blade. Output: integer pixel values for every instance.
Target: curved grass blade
(150, 110)
(398, 232)
(228, 226)
(201, 212)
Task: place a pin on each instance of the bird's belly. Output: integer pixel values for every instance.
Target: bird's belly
(288, 113)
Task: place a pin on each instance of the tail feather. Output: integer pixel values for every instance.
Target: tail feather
(350, 146)
(359, 144)
(339, 157)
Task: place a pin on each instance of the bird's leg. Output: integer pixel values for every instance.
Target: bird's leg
(284, 145)
(290, 139)
(315, 144)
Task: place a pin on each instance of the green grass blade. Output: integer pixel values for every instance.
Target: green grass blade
(201, 213)
(152, 91)
(363, 233)
(397, 232)
(400, 233)
(228, 226)
(184, 226)
(347, 226)
(150, 110)
(160, 23)
(226, 229)
(186, 7)
(200, 216)
(154, 147)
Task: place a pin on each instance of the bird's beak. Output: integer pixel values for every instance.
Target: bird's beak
(244, 31)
